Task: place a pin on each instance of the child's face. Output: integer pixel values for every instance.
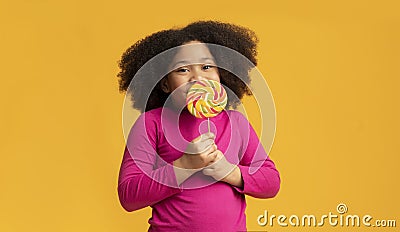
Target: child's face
(191, 63)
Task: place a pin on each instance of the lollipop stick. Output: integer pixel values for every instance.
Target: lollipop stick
(208, 119)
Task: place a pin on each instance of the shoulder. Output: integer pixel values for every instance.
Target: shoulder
(151, 115)
(240, 122)
(148, 120)
(237, 116)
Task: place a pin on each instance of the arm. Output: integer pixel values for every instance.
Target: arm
(264, 183)
(140, 183)
(260, 177)
(137, 189)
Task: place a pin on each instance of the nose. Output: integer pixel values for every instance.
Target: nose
(197, 74)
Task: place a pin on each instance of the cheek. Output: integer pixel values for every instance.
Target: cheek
(215, 76)
(179, 99)
(179, 92)
(177, 83)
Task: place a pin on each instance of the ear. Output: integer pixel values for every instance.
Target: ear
(164, 85)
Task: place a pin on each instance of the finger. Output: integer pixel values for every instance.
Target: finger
(207, 143)
(212, 148)
(207, 146)
(197, 139)
(208, 135)
(205, 136)
(204, 148)
(219, 154)
(212, 157)
(208, 172)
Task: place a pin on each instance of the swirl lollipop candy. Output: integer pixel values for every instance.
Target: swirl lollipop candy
(206, 99)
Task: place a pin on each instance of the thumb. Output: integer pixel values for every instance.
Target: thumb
(207, 171)
(208, 135)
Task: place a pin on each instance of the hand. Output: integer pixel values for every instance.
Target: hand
(199, 153)
(200, 144)
(220, 169)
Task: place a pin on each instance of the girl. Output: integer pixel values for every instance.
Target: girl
(198, 186)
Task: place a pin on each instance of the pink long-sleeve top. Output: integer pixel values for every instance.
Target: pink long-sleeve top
(147, 177)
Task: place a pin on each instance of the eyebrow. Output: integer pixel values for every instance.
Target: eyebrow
(186, 62)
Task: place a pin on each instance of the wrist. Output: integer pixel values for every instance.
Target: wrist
(235, 177)
(178, 163)
(181, 173)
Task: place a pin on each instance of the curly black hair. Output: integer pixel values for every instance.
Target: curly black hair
(238, 38)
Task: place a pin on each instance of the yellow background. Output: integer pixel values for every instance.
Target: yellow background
(332, 66)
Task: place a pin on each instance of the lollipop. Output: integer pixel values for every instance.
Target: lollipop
(206, 99)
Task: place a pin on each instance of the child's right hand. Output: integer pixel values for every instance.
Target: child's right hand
(198, 153)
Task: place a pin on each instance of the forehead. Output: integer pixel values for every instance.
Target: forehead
(193, 53)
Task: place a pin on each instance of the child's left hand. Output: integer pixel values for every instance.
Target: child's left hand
(220, 169)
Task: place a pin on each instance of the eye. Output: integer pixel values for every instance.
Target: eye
(208, 66)
(182, 70)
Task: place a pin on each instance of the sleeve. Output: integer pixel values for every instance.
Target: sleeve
(140, 182)
(260, 177)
